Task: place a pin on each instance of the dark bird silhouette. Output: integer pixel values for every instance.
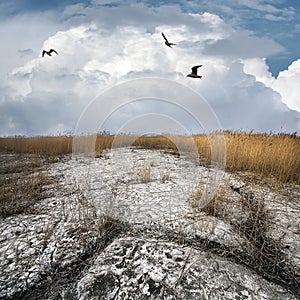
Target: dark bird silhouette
(48, 52)
(166, 41)
(194, 72)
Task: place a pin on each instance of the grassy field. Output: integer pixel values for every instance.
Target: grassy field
(268, 155)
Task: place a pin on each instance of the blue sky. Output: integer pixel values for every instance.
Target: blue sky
(278, 19)
(249, 50)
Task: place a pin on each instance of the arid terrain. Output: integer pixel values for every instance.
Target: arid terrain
(134, 223)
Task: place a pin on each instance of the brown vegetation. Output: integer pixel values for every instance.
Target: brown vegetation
(270, 155)
(276, 156)
(22, 183)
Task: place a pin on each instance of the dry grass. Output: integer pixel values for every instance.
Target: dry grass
(50, 145)
(270, 155)
(215, 207)
(22, 182)
(144, 173)
(277, 155)
(261, 252)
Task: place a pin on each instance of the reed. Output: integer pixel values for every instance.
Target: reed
(269, 155)
(275, 155)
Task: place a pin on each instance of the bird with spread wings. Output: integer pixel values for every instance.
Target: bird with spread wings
(194, 73)
(48, 52)
(167, 42)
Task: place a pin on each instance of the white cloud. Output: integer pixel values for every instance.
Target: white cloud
(238, 45)
(74, 9)
(21, 32)
(286, 84)
(243, 12)
(275, 18)
(272, 12)
(259, 68)
(113, 44)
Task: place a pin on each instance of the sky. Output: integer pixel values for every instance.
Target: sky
(248, 49)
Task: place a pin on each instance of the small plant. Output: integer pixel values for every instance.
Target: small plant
(144, 172)
(165, 178)
(216, 206)
(195, 198)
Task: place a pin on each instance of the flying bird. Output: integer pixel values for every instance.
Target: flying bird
(48, 52)
(166, 41)
(194, 74)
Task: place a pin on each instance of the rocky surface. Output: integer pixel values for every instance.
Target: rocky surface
(133, 268)
(132, 225)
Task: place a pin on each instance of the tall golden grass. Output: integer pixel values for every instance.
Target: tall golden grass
(270, 155)
(49, 145)
(277, 155)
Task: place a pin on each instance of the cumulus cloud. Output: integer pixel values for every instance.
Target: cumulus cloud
(286, 83)
(22, 37)
(39, 113)
(100, 46)
(237, 45)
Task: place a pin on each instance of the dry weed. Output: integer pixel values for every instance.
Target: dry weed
(276, 155)
(22, 184)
